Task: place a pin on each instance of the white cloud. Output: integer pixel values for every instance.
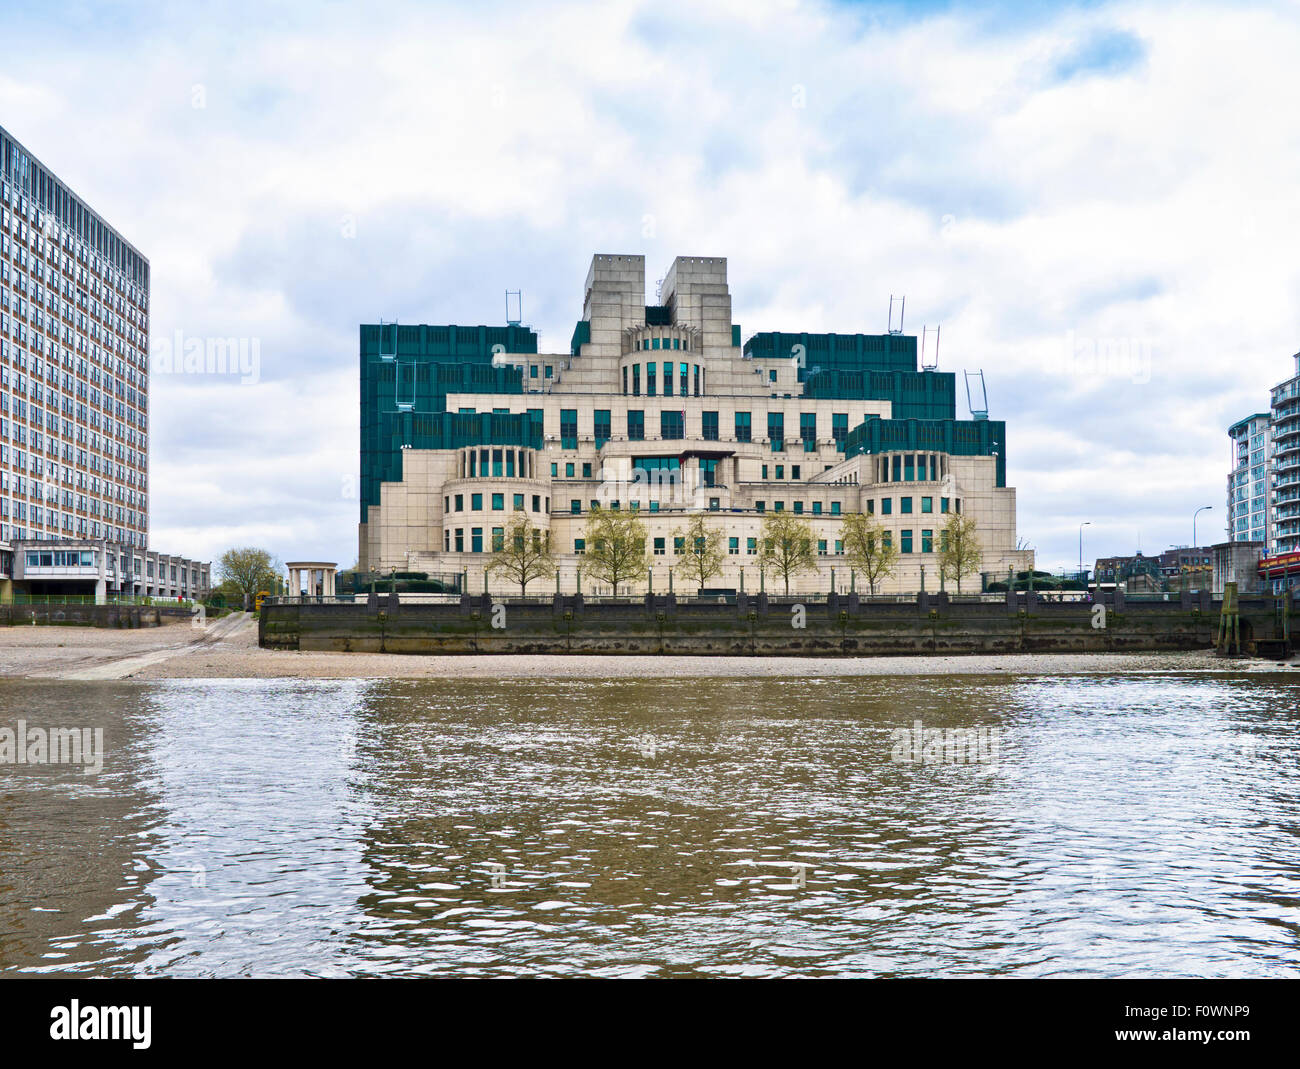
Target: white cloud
(474, 149)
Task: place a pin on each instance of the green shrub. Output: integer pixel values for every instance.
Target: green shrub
(420, 586)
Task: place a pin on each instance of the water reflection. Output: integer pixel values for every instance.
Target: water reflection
(74, 879)
(636, 828)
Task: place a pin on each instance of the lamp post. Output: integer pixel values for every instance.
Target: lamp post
(1194, 515)
(1086, 523)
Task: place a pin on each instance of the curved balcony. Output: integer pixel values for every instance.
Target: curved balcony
(497, 462)
(1286, 427)
(643, 371)
(1286, 452)
(1286, 475)
(672, 338)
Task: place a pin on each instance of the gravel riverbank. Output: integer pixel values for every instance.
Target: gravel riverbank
(228, 649)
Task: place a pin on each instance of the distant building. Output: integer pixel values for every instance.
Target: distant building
(1285, 419)
(1134, 572)
(1174, 562)
(1163, 572)
(1264, 481)
(1280, 572)
(87, 567)
(1250, 482)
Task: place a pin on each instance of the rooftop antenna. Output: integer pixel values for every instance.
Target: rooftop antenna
(931, 364)
(405, 400)
(659, 291)
(978, 409)
(902, 309)
(516, 317)
(387, 352)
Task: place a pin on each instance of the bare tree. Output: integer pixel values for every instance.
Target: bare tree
(960, 553)
(615, 546)
(787, 546)
(524, 554)
(702, 553)
(868, 548)
(248, 570)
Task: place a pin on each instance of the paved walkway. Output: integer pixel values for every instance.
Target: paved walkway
(109, 653)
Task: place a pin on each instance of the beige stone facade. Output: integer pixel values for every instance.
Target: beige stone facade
(728, 440)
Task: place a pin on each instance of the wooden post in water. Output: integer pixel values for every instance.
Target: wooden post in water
(1228, 639)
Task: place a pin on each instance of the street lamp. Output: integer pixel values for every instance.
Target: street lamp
(1194, 515)
(1086, 523)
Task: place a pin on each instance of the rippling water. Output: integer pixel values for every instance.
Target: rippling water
(1124, 827)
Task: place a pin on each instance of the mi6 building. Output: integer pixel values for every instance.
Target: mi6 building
(662, 409)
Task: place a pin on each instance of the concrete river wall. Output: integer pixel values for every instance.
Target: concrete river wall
(78, 615)
(755, 625)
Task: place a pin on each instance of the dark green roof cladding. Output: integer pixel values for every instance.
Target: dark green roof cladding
(462, 343)
(874, 367)
(581, 336)
(856, 352)
(436, 430)
(960, 437)
(407, 373)
(911, 394)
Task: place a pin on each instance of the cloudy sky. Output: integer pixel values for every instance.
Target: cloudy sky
(1098, 202)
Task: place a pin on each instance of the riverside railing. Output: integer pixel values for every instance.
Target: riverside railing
(607, 597)
(20, 598)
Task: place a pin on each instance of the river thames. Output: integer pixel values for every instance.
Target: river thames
(1089, 826)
